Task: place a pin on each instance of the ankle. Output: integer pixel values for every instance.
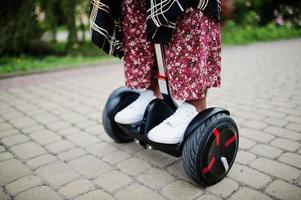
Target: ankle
(199, 104)
(155, 88)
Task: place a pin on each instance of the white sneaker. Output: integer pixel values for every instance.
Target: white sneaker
(134, 112)
(172, 129)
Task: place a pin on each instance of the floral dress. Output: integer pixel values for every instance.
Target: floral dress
(192, 57)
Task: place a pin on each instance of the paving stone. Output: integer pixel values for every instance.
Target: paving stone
(14, 139)
(294, 127)
(253, 115)
(8, 132)
(292, 110)
(266, 151)
(59, 146)
(3, 196)
(181, 190)
(256, 135)
(276, 122)
(282, 132)
(5, 126)
(2, 148)
(35, 194)
(89, 166)
(285, 144)
(60, 125)
(40, 161)
(116, 157)
(249, 176)
(27, 150)
(94, 130)
(45, 136)
(294, 119)
(5, 156)
(23, 122)
(82, 139)
(12, 115)
(76, 188)
(245, 143)
(177, 170)
(48, 106)
(295, 111)
(249, 194)
(137, 192)
(71, 154)
(255, 124)
(57, 174)
(244, 157)
(224, 188)
(11, 170)
(33, 111)
(208, 197)
(95, 195)
(282, 190)
(155, 178)
(101, 149)
(68, 131)
(157, 158)
(113, 180)
(45, 118)
(23, 184)
(104, 137)
(73, 118)
(276, 169)
(291, 159)
(131, 148)
(133, 166)
(32, 129)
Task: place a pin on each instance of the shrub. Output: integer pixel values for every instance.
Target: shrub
(263, 12)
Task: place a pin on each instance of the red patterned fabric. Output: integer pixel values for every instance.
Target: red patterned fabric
(192, 57)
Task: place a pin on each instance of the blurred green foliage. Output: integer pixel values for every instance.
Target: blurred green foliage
(263, 12)
(18, 24)
(25, 21)
(82, 54)
(13, 64)
(232, 34)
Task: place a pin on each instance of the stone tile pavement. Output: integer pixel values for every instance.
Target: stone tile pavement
(53, 146)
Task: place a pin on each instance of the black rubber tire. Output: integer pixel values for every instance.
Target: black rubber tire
(113, 130)
(119, 99)
(194, 147)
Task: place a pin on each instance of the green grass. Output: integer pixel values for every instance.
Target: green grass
(87, 53)
(238, 35)
(31, 64)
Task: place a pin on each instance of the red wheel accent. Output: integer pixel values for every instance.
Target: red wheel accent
(208, 168)
(216, 134)
(232, 139)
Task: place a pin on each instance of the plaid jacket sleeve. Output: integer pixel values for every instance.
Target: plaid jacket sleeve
(105, 25)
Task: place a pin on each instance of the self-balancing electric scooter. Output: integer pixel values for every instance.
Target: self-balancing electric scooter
(210, 141)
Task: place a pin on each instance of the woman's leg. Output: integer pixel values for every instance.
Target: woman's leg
(193, 57)
(139, 55)
(139, 61)
(193, 65)
(199, 104)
